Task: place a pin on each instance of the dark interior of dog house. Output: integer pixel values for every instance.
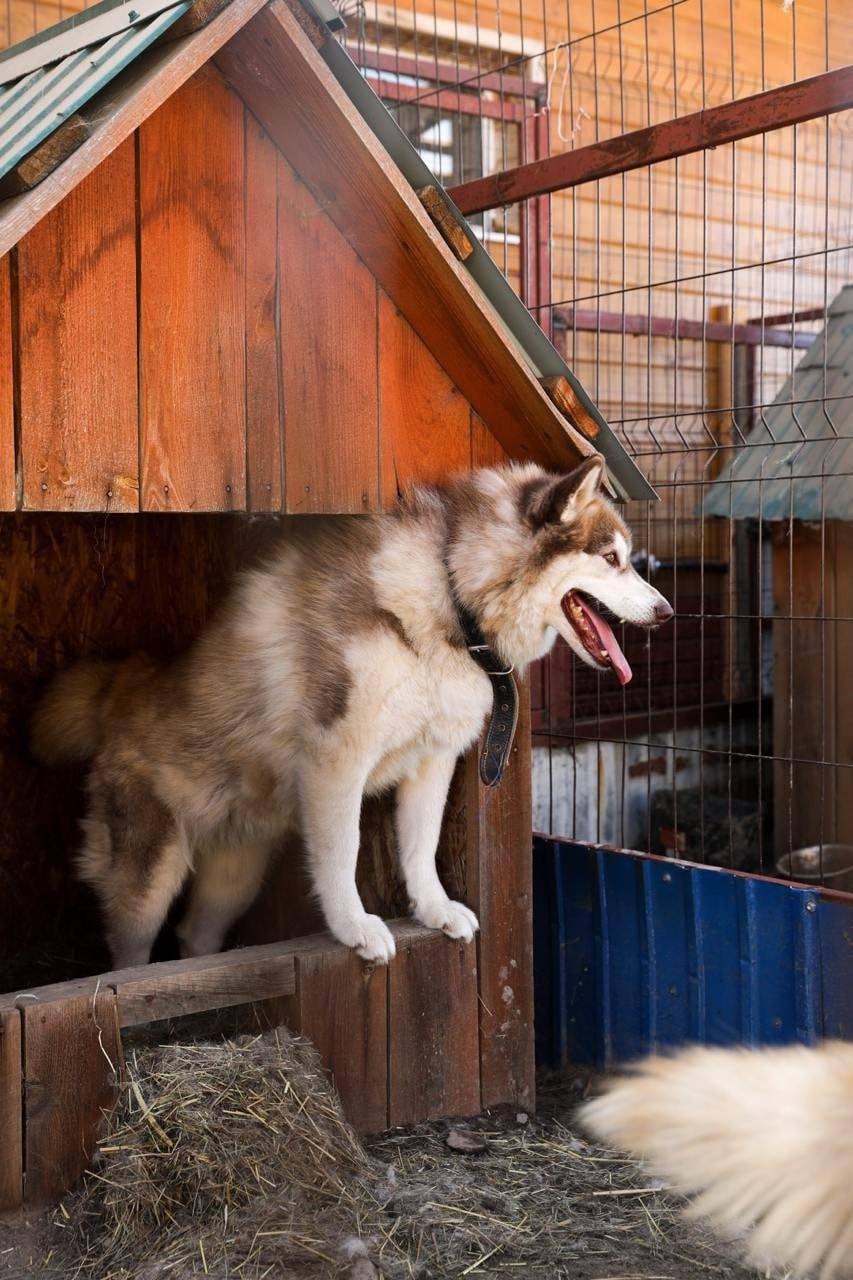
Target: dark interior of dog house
(668, 189)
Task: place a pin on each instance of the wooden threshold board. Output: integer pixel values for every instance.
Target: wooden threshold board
(174, 988)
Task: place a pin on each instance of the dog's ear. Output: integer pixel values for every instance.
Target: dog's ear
(570, 494)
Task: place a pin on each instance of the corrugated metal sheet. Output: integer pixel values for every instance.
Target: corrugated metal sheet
(89, 26)
(35, 105)
(797, 462)
(634, 954)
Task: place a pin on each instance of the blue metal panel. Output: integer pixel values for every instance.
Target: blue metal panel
(671, 968)
(717, 975)
(622, 933)
(579, 953)
(835, 926)
(635, 953)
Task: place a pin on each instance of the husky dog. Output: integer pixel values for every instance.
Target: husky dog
(763, 1137)
(339, 669)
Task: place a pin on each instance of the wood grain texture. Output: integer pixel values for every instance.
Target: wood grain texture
(78, 388)
(329, 356)
(264, 409)
(438, 208)
(500, 889)
(343, 1009)
(11, 1133)
(144, 87)
(70, 1085)
(285, 82)
(151, 992)
(36, 166)
(432, 1011)
(486, 450)
(192, 301)
(568, 402)
(425, 421)
(7, 397)
(202, 12)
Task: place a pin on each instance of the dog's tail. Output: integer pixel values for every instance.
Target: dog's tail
(66, 727)
(763, 1139)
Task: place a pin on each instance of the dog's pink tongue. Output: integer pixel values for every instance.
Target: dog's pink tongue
(609, 643)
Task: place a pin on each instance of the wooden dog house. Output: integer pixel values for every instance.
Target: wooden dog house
(221, 298)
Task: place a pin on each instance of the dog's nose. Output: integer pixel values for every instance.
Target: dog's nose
(663, 611)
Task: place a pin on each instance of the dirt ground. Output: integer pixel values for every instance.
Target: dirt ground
(232, 1160)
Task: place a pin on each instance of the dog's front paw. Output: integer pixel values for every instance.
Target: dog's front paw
(453, 918)
(369, 936)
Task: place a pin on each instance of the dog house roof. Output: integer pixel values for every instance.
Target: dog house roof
(71, 94)
(797, 461)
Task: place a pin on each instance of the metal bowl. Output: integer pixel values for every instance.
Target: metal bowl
(828, 864)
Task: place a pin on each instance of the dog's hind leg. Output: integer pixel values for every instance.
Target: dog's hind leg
(420, 806)
(331, 807)
(135, 860)
(134, 921)
(225, 884)
(133, 905)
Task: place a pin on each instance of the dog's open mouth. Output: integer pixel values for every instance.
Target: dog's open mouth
(595, 635)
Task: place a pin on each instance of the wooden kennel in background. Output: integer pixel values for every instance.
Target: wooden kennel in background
(223, 305)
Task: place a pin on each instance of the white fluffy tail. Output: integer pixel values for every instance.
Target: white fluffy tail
(762, 1138)
(66, 726)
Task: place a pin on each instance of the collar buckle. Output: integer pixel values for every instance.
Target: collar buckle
(487, 653)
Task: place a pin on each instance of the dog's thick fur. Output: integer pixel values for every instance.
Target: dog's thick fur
(338, 669)
(762, 1138)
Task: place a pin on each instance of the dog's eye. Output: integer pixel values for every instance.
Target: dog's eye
(612, 557)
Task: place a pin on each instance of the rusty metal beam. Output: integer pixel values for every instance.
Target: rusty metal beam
(714, 127)
(792, 317)
(751, 334)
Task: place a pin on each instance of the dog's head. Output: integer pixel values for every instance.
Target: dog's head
(562, 557)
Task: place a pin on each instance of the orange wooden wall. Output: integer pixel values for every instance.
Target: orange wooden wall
(189, 331)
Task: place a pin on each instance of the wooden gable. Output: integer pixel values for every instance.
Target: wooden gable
(194, 333)
(219, 316)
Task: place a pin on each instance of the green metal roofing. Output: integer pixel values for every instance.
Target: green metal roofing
(45, 79)
(797, 461)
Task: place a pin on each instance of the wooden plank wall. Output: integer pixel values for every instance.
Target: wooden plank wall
(192, 320)
(399, 1041)
(220, 346)
(11, 1110)
(66, 1048)
(77, 381)
(7, 398)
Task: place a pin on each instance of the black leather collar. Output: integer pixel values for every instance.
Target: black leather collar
(498, 739)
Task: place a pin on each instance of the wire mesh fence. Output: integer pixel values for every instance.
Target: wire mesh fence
(703, 302)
